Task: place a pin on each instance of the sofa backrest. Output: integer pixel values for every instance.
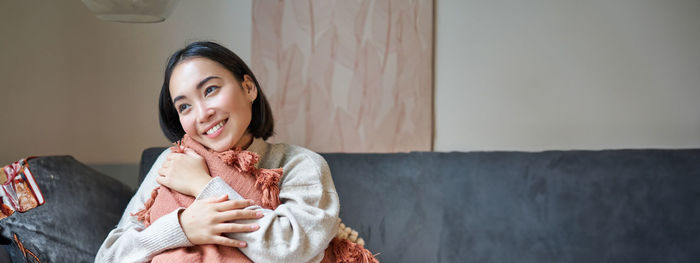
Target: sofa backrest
(554, 206)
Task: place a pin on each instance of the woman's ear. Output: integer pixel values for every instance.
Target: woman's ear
(249, 88)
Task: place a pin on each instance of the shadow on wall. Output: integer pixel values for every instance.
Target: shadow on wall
(126, 173)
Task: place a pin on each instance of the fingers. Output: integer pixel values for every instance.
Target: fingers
(235, 228)
(192, 153)
(171, 156)
(160, 180)
(225, 241)
(163, 171)
(203, 223)
(219, 199)
(213, 201)
(186, 151)
(233, 204)
(237, 214)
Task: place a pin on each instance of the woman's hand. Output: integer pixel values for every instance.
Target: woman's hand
(186, 173)
(206, 220)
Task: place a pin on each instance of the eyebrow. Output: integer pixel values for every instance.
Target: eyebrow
(199, 86)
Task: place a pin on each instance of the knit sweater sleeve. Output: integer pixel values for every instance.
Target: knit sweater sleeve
(130, 241)
(302, 226)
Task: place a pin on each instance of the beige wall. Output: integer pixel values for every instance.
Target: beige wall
(547, 74)
(509, 75)
(72, 84)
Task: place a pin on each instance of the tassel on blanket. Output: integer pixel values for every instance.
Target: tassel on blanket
(145, 214)
(346, 251)
(267, 180)
(242, 161)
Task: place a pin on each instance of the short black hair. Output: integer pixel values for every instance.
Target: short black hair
(261, 123)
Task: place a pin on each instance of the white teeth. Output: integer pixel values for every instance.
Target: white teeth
(215, 128)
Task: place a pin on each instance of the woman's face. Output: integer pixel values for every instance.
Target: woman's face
(214, 108)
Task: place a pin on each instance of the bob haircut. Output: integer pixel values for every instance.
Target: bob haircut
(261, 123)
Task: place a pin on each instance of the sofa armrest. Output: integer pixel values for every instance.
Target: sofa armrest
(82, 206)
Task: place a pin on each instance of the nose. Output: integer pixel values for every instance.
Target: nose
(204, 113)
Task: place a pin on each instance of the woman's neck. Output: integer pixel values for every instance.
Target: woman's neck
(245, 141)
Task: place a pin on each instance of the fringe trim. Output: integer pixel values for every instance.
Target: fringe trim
(345, 232)
(267, 180)
(145, 214)
(25, 250)
(242, 161)
(346, 251)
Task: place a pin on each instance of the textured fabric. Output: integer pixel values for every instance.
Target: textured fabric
(237, 169)
(298, 230)
(130, 241)
(555, 206)
(81, 206)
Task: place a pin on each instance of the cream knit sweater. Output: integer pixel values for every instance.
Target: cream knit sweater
(299, 230)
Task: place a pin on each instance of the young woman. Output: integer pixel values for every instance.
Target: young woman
(210, 95)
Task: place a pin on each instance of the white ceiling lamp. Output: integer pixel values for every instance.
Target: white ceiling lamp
(132, 11)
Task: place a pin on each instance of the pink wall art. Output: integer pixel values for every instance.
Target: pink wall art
(347, 75)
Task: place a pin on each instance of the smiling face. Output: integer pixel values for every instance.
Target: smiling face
(214, 108)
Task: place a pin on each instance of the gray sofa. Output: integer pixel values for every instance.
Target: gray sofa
(554, 206)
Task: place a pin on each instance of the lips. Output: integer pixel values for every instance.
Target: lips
(215, 129)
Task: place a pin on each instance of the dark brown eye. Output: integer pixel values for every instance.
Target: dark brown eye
(183, 107)
(210, 89)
